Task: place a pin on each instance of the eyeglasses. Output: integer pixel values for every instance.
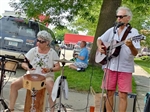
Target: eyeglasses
(121, 16)
(40, 41)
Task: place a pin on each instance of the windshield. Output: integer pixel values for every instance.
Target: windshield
(18, 26)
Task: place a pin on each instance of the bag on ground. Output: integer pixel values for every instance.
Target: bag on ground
(147, 102)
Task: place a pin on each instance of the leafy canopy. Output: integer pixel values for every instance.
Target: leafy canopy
(57, 9)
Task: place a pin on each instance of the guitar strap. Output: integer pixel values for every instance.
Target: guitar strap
(126, 32)
(117, 50)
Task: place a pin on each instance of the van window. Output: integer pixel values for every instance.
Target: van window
(17, 26)
(18, 35)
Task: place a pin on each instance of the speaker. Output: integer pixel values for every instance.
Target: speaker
(131, 102)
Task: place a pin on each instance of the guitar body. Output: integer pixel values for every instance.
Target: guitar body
(102, 58)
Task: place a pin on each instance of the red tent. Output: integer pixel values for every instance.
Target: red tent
(74, 38)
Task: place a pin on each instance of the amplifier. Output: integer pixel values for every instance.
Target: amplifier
(131, 104)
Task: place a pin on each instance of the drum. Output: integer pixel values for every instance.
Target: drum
(35, 82)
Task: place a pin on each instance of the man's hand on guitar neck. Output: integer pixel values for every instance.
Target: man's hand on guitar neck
(129, 43)
(131, 46)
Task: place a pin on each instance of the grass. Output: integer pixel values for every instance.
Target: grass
(144, 62)
(81, 81)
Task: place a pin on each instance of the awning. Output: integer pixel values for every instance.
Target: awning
(74, 38)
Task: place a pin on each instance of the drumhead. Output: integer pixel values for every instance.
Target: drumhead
(34, 77)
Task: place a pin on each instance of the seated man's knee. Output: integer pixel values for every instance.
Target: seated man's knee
(70, 65)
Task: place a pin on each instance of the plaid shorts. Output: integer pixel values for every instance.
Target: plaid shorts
(80, 65)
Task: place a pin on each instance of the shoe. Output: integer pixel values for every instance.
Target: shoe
(81, 70)
(78, 69)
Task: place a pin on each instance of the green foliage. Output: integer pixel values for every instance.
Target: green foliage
(133, 85)
(57, 9)
(145, 58)
(139, 1)
(83, 15)
(146, 43)
(59, 33)
(140, 13)
(82, 81)
(88, 22)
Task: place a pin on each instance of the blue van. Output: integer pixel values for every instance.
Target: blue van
(17, 36)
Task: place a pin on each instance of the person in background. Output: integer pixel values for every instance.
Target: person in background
(42, 58)
(118, 70)
(81, 61)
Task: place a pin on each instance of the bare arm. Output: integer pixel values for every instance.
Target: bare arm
(80, 57)
(55, 68)
(25, 66)
(100, 46)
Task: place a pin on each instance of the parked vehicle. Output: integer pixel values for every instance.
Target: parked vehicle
(145, 51)
(18, 35)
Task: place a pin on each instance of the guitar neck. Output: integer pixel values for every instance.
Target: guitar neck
(118, 44)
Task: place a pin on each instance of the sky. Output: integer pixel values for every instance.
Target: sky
(5, 6)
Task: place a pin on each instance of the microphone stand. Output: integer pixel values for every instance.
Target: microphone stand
(6, 109)
(61, 89)
(105, 72)
(59, 94)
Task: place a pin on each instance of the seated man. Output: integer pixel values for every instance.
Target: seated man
(81, 59)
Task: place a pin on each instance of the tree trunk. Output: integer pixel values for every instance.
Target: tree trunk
(107, 18)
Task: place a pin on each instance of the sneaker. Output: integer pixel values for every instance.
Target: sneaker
(78, 69)
(81, 70)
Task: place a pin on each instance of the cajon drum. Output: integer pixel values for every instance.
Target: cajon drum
(35, 82)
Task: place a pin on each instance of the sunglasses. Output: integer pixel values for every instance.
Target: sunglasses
(121, 16)
(41, 41)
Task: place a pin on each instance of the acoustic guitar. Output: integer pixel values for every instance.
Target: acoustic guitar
(115, 49)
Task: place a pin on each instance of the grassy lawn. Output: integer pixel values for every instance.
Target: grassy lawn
(81, 81)
(144, 62)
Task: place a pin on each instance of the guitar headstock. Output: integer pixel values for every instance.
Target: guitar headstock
(138, 37)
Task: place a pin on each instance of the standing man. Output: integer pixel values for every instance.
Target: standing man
(82, 59)
(118, 70)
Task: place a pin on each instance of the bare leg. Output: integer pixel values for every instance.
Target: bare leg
(109, 100)
(15, 86)
(49, 87)
(122, 101)
(72, 66)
